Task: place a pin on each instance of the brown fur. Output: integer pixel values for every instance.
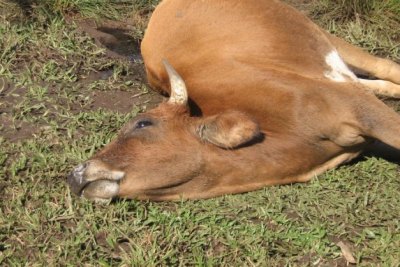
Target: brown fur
(265, 112)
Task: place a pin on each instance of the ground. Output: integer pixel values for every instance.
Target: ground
(71, 75)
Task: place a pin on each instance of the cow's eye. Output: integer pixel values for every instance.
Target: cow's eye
(143, 123)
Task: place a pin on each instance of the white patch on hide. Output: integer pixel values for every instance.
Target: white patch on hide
(339, 71)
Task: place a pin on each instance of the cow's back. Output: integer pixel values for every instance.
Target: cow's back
(215, 41)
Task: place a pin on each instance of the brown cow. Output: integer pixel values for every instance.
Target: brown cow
(272, 101)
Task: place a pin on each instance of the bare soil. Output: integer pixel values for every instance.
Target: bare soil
(112, 35)
(11, 129)
(115, 38)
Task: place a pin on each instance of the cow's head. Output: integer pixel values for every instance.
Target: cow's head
(164, 153)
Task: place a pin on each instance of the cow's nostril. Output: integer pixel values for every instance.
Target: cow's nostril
(76, 179)
(81, 168)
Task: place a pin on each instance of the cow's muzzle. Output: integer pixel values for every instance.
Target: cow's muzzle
(94, 180)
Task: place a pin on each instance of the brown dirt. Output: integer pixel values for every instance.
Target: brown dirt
(112, 35)
(14, 131)
(11, 129)
(122, 101)
(115, 38)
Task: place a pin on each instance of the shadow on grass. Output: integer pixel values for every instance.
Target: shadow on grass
(25, 5)
(378, 150)
(122, 43)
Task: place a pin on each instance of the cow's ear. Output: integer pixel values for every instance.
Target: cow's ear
(228, 130)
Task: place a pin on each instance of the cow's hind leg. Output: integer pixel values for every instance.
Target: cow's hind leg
(381, 87)
(358, 59)
(386, 71)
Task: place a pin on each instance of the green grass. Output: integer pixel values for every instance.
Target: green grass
(371, 24)
(52, 120)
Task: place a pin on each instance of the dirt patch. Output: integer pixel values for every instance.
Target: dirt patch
(115, 37)
(9, 94)
(115, 101)
(10, 128)
(13, 130)
(112, 35)
(122, 101)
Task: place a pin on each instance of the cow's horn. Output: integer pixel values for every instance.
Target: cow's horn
(178, 88)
